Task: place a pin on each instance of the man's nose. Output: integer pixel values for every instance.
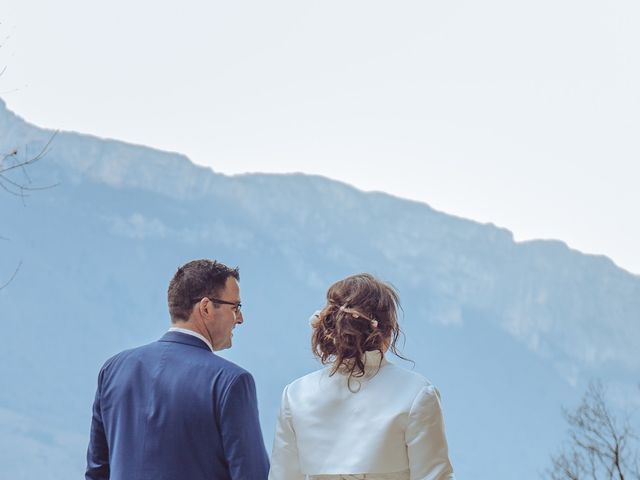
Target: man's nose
(239, 317)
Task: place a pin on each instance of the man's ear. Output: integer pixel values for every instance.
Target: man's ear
(205, 307)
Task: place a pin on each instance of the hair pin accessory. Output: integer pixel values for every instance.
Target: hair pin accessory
(356, 314)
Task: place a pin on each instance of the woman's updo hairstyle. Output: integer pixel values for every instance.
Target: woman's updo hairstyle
(360, 316)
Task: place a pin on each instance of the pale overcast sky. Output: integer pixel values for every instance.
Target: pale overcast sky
(524, 114)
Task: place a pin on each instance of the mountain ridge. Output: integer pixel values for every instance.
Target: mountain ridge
(182, 161)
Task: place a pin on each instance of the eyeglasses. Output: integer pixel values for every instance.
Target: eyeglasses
(236, 306)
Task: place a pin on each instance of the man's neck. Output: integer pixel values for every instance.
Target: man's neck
(190, 329)
(186, 326)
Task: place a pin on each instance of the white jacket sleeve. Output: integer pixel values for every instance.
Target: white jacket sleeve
(426, 441)
(285, 464)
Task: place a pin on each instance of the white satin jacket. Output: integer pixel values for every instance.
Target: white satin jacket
(391, 428)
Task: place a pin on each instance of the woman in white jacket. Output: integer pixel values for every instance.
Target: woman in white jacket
(361, 417)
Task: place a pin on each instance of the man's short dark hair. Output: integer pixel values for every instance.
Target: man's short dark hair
(193, 281)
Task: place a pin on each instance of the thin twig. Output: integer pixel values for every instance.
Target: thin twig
(12, 276)
(39, 156)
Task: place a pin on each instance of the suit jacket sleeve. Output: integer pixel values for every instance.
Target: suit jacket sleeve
(98, 451)
(240, 430)
(426, 441)
(285, 464)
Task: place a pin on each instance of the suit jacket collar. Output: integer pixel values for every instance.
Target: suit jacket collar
(179, 337)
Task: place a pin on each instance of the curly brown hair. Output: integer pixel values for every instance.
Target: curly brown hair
(360, 316)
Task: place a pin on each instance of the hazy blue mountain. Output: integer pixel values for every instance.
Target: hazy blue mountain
(510, 332)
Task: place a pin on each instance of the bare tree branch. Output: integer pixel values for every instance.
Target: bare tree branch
(45, 149)
(15, 187)
(601, 447)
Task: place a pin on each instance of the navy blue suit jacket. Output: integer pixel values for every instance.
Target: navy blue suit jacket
(173, 410)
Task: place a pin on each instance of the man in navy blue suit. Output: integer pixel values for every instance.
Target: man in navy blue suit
(173, 409)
